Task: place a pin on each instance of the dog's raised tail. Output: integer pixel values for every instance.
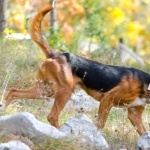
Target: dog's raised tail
(35, 30)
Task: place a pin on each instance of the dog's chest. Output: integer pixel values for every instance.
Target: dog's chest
(137, 102)
(140, 101)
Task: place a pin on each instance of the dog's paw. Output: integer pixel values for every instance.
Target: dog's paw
(2, 106)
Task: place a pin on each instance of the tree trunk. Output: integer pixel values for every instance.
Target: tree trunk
(2, 15)
(53, 21)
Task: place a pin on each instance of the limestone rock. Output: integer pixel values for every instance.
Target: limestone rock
(25, 124)
(86, 132)
(144, 142)
(79, 129)
(14, 145)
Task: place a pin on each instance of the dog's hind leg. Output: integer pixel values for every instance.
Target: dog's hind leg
(135, 116)
(38, 90)
(58, 77)
(34, 92)
(61, 98)
(63, 87)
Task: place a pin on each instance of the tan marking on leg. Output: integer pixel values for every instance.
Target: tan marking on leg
(135, 116)
(61, 98)
(104, 109)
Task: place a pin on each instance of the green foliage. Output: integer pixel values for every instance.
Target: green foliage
(94, 20)
(56, 41)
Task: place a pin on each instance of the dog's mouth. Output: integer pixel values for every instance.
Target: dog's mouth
(2, 106)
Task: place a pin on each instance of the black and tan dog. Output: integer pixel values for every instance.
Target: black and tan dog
(60, 72)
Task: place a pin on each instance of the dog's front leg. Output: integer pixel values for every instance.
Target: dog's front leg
(61, 98)
(104, 109)
(135, 116)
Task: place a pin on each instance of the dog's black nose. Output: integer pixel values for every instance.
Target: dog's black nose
(1, 105)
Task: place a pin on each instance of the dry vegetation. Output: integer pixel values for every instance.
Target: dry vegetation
(18, 65)
(19, 60)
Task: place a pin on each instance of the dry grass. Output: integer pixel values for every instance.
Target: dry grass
(118, 131)
(18, 65)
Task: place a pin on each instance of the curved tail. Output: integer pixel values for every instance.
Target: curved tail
(35, 30)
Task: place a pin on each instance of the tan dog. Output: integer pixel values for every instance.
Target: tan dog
(110, 85)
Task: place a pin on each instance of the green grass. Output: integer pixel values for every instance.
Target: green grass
(18, 65)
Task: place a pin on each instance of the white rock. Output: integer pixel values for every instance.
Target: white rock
(14, 145)
(144, 142)
(26, 124)
(79, 129)
(85, 131)
(80, 99)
